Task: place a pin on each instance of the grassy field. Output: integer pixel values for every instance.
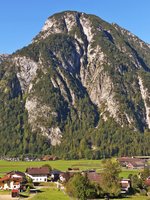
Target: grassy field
(54, 194)
(50, 194)
(63, 165)
(125, 172)
(6, 166)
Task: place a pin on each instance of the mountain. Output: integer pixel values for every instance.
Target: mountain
(3, 57)
(80, 90)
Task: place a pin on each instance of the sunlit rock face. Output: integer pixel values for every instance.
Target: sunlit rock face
(77, 56)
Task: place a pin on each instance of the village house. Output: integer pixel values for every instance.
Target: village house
(93, 176)
(38, 174)
(65, 176)
(97, 178)
(55, 175)
(132, 163)
(135, 165)
(125, 185)
(12, 180)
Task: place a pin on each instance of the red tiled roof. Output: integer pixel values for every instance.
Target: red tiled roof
(5, 178)
(38, 171)
(8, 178)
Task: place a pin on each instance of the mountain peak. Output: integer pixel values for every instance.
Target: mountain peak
(82, 82)
(62, 22)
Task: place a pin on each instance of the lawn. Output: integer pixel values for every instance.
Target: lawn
(125, 172)
(7, 166)
(50, 194)
(54, 194)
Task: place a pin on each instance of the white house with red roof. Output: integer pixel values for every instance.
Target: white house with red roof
(12, 180)
(38, 174)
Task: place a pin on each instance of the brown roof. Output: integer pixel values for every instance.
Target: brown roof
(130, 159)
(136, 164)
(67, 175)
(5, 178)
(8, 178)
(16, 172)
(38, 171)
(94, 177)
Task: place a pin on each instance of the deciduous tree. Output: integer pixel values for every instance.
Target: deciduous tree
(110, 178)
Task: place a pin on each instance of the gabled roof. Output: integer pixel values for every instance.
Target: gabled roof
(17, 173)
(9, 178)
(136, 164)
(130, 159)
(67, 175)
(38, 171)
(94, 177)
(5, 178)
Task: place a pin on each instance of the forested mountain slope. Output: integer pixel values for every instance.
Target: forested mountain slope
(81, 89)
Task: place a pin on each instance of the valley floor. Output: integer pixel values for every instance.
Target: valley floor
(51, 193)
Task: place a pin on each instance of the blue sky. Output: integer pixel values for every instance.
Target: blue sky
(21, 20)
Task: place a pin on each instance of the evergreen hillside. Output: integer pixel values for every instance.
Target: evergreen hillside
(81, 89)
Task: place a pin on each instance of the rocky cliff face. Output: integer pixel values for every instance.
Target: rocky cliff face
(3, 57)
(100, 48)
(81, 69)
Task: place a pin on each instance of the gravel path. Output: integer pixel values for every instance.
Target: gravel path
(7, 197)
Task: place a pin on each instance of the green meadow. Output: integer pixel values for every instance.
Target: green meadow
(63, 165)
(54, 194)
(50, 194)
(6, 166)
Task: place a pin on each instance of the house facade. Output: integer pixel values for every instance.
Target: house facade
(12, 180)
(125, 185)
(38, 174)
